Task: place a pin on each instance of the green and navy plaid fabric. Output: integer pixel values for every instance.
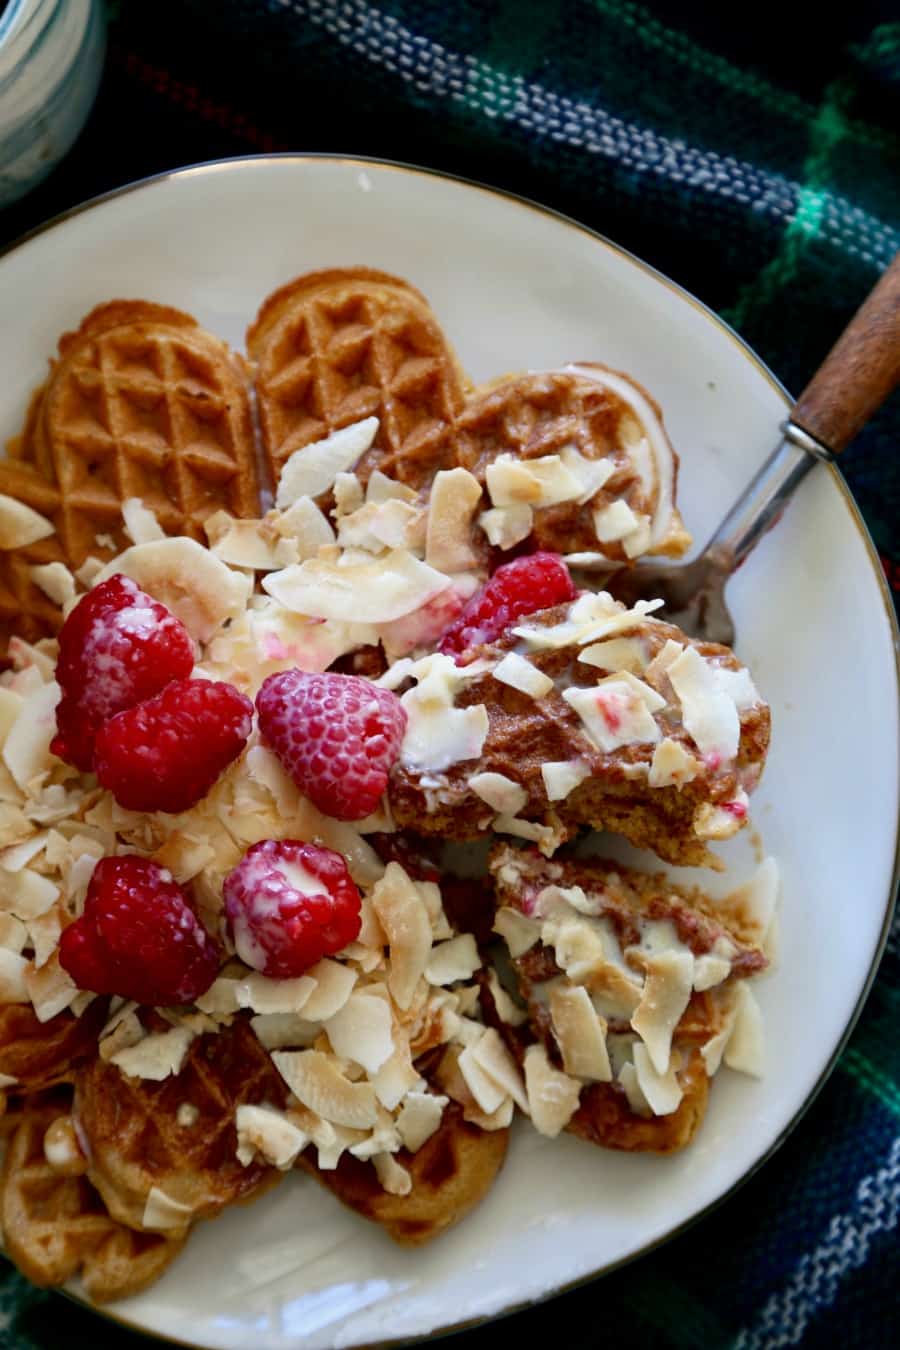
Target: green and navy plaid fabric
(762, 172)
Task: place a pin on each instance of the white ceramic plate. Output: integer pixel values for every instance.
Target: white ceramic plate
(516, 287)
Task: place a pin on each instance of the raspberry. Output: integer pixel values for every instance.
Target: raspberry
(336, 735)
(117, 647)
(165, 754)
(138, 937)
(522, 586)
(289, 904)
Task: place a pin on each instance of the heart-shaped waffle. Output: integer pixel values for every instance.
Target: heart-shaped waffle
(332, 348)
(55, 1224)
(136, 1140)
(140, 403)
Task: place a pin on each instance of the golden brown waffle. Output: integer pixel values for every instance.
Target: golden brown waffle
(623, 899)
(526, 733)
(55, 1225)
(334, 347)
(141, 402)
(537, 414)
(135, 1140)
(39, 1054)
(451, 1173)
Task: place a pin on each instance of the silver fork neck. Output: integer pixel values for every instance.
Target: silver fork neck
(762, 502)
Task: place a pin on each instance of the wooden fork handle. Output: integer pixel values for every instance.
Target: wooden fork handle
(860, 371)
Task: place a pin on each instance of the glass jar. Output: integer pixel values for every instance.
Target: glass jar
(51, 59)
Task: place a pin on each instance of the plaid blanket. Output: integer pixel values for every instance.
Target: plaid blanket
(764, 175)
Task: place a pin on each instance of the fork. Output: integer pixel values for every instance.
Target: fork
(857, 375)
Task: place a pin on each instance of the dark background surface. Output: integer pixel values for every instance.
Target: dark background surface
(812, 1236)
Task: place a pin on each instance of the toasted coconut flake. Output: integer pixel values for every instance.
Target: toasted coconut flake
(220, 999)
(506, 526)
(306, 525)
(45, 933)
(589, 954)
(20, 855)
(662, 1091)
(317, 1082)
(383, 589)
(141, 524)
(744, 1050)
(708, 711)
(247, 543)
(361, 1031)
(334, 985)
(710, 970)
(672, 765)
(57, 583)
(617, 654)
(492, 1056)
(396, 1077)
(547, 837)
(380, 488)
(456, 959)
(13, 933)
(11, 705)
(19, 525)
(13, 969)
(613, 714)
(51, 989)
(156, 1057)
(285, 1031)
(402, 914)
(484, 1088)
(667, 989)
(519, 673)
(313, 469)
(552, 1096)
(519, 932)
(455, 494)
(580, 1034)
(348, 494)
(712, 821)
(26, 752)
(393, 1177)
(563, 776)
(633, 1092)
(615, 522)
(270, 1134)
(264, 995)
(27, 894)
(501, 793)
(183, 575)
(162, 1214)
(544, 481)
(419, 1117)
(590, 617)
(121, 1033)
(507, 1010)
(377, 526)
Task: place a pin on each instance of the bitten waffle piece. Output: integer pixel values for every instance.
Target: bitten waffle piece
(54, 1222)
(334, 348)
(630, 994)
(162, 1145)
(583, 714)
(140, 403)
(450, 1174)
(575, 460)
